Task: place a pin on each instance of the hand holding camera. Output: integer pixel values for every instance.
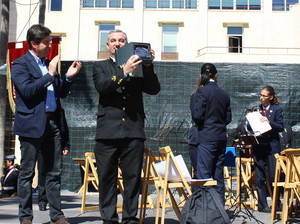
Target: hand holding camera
(131, 64)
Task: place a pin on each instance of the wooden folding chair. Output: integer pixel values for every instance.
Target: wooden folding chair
(291, 187)
(245, 181)
(149, 177)
(91, 176)
(279, 171)
(229, 181)
(182, 184)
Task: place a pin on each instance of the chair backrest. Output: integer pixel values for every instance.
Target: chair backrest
(293, 165)
(177, 169)
(90, 166)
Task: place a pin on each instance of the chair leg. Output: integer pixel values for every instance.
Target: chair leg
(163, 206)
(85, 187)
(174, 204)
(143, 202)
(285, 207)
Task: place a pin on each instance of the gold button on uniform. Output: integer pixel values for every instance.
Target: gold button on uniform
(123, 108)
(123, 119)
(124, 97)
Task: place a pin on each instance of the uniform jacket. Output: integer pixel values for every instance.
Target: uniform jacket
(9, 181)
(121, 110)
(275, 118)
(31, 92)
(211, 112)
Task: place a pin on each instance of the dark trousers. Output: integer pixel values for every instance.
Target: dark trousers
(210, 163)
(128, 154)
(193, 158)
(50, 147)
(264, 161)
(42, 198)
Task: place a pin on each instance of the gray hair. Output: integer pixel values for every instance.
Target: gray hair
(117, 31)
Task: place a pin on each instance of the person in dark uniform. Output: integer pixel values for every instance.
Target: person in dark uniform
(211, 112)
(9, 181)
(38, 92)
(269, 144)
(120, 131)
(65, 146)
(192, 146)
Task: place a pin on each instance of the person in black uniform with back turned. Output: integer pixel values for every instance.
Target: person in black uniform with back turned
(210, 109)
(120, 132)
(269, 144)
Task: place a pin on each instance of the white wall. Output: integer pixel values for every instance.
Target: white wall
(201, 28)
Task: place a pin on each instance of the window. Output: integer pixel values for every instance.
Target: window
(283, 5)
(170, 38)
(55, 5)
(175, 4)
(169, 42)
(242, 4)
(235, 4)
(235, 39)
(104, 29)
(227, 4)
(107, 3)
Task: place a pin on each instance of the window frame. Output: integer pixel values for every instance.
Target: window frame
(60, 4)
(235, 35)
(219, 5)
(170, 4)
(285, 6)
(169, 55)
(123, 4)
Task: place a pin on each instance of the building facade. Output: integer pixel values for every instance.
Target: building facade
(241, 31)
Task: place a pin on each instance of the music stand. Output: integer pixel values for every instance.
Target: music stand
(244, 140)
(248, 140)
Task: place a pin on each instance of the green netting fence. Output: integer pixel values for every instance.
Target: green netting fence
(168, 115)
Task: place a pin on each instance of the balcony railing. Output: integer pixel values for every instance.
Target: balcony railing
(249, 50)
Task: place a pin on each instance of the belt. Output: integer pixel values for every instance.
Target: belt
(50, 114)
(7, 188)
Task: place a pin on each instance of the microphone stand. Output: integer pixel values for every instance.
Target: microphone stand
(239, 147)
(239, 203)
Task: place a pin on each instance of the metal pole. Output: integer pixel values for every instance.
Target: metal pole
(3, 100)
(4, 21)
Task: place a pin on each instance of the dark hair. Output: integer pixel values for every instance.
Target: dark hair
(37, 33)
(271, 91)
(208, 71)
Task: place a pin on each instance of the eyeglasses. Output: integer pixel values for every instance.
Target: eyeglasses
(264, 96)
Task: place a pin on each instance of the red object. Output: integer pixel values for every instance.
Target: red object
(15, 53)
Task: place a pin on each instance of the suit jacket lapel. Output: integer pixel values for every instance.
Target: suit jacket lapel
(37, 71)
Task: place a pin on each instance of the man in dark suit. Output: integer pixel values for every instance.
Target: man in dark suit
(211, 112)
(120, 132)
(38, 93)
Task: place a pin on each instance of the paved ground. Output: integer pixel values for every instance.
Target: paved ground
(71, 207)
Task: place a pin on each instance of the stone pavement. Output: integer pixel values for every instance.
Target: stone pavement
(71, 207)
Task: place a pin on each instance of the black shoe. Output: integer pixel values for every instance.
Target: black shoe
(132, 220)
(43, 206)
(265, 210)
